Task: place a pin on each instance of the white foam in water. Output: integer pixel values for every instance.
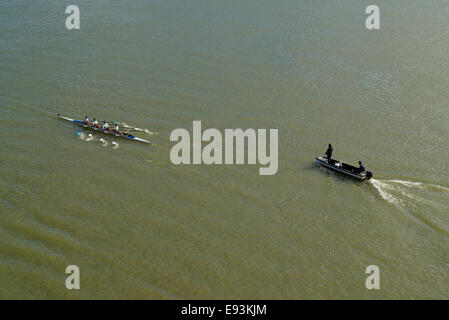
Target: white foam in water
(149, 132)
(89, 137)
(105, 143)
(115, 144)
(408, 183)
(381, 187)
(421, 185)
(439, 188)
(403, 189)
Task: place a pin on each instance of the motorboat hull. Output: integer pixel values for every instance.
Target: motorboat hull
(344, 168)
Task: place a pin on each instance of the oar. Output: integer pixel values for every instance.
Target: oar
(129, 128)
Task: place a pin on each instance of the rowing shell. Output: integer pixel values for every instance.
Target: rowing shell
(131, 137)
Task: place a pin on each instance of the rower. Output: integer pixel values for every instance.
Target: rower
(116, 129)
(95, 123)
(105, 126)
(86, 120)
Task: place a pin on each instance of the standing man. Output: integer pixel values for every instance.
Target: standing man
(329, 153)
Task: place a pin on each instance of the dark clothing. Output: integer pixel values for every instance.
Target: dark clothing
(360, 169)
(329, 154)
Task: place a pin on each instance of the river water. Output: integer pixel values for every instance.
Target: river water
(138, 226)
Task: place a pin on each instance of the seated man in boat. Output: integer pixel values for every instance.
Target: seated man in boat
(116, 128)
(360, 169)
(95, 123)
(361, 166)
(105, 126)
(86, 120)
(329, 153)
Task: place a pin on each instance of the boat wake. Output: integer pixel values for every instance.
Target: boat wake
(383, 188)
(391, 190)
(425, 201)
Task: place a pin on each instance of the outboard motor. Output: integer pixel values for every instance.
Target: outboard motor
(369, 174)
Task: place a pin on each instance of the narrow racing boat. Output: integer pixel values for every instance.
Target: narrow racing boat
(344, 168)
(127, 136)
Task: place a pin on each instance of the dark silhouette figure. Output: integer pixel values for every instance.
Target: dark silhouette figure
(329, 153)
